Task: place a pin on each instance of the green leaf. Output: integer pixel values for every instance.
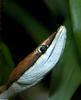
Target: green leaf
(6, 62)
(75, 11)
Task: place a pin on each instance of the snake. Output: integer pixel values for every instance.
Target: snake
(36, 65)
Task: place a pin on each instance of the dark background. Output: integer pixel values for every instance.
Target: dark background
(19, 40)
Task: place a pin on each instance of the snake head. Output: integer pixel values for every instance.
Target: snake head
(51, 50)
(36, 65)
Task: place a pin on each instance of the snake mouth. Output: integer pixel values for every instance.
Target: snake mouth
(56, 43)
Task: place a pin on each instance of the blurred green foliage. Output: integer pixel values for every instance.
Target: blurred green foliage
(6, 63)
(30, 24)
(66, 76)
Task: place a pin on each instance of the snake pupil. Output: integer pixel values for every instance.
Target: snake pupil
(43, 48)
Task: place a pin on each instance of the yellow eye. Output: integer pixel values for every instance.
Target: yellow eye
(42, 48)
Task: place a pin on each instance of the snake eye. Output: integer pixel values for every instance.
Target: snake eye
(42, 48)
